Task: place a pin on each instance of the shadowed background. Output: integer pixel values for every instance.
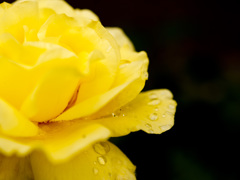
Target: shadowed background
(193, 47)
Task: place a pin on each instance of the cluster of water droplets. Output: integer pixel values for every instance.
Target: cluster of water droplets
(101, 148)
(154, 101)
(118, 113)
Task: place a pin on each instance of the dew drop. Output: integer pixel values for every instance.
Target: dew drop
(169, 113)
(117, 161)
(101, 160)
(114, 115)
(101, 148)
(171, 106)
(153, 116)
(154, 102)
(165, 127)
(153, 96)
(156, 109)
(148, 125)
(150, 131)
(163, 115)
(95, 171)
(145, 75)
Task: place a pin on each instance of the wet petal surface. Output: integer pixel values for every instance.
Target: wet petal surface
(103, 160)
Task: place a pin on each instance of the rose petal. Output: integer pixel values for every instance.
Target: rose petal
(151, 111)
(52, 94)
(105, 70)
(101, 161)
(13, 87)
(120, 37)
(59, 141)
(59, 6)
(13, 123)
(15, 168)
(135, 73)
(129, 82)
(17, 16)
(86, 13)
(90, 106)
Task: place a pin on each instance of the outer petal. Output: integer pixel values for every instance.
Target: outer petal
(13, 123)
(59, 6)
(59, 141)
(120, 37)
(101, 161)
(135, 71)
(151, 111)
(15, 168)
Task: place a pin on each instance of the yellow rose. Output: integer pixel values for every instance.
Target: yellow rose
(67, 84)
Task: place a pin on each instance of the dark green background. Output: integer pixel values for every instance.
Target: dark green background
(194, 50)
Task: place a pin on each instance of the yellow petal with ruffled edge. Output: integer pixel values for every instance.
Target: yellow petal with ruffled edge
(120, 37)
(127, 88)
(13, 123)
(130, 80)
(101, 161)
(15, 168)
(151, 111)
(52, 94)
(105, 70)
(59, 141)
(59, 6)
(135, 73)
(18, 16)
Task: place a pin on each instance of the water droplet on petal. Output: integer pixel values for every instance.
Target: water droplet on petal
(145, 75)
(118, 161)
(150, 131)
(101, 160)
(154, 102)
(163, 115)
(95, 171)
(153, 96)
(169, 113)
(153, 116)
(101, 148)
(171, 106)
(165, 127)
(156, 109)
(148, 125)
(114, 115)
